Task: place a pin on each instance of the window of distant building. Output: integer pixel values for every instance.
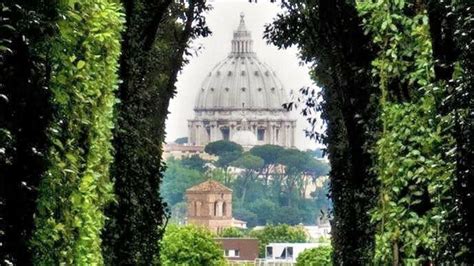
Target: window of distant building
(208, 131)
(289, 252)
(232, 253)
(224, 209)
(282, 255)
(261, 134)
(225, 133)
(197, 208)
(216, 206)
(269, 252)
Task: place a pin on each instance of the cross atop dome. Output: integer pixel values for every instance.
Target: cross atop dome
(242, 41)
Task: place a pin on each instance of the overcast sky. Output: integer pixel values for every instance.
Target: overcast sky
(223, 19)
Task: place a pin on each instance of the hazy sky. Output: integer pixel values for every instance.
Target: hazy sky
(223, 19)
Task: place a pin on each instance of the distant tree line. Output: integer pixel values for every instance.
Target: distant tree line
(269, 182)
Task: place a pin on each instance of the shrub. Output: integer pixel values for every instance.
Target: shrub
(320, 256)
(189, 245)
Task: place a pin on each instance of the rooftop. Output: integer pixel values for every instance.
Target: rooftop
(209, 186)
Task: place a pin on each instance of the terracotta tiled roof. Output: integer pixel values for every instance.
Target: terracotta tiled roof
(209, 186)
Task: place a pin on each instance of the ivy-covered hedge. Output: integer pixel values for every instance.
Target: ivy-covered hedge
(415, 177)
(77, 186)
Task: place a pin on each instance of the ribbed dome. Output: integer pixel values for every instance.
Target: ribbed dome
(241, 81)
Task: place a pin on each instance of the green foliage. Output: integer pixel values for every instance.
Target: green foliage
(248, 162)
(76, 187)
(177, 178)
(221, 147)
(265, 209)
(257, 198)
(194, 162)
(189, 245)
(415, 177)
(25, 113)
(330, 38)
(269, 153)
(182, 140)
(320, 256)
(231, 232)
(415, 181)
(281, 233)
(155, 44)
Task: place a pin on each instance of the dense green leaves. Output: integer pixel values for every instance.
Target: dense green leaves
(320, 256)
(77, 185)
(154, 48)
(330, 38)
(177, 178)
(415, 176)
(221, 147)
(231, 232)
(190, 245)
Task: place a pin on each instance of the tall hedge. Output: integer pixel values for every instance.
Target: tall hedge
(330, 37)
(25, 112)
(415, 175)
(154, 45)
(459, 103)
(76, 186)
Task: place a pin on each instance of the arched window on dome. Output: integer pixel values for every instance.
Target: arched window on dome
(208, 131)
(225, 133)
(261, 134)
(243, 73)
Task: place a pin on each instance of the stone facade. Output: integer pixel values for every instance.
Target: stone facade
(209, 204)
(209, 126)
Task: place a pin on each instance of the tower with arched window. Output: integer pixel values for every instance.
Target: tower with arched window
(209, 204)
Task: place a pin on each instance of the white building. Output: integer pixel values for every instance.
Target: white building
(277, 253)
(241, 100)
